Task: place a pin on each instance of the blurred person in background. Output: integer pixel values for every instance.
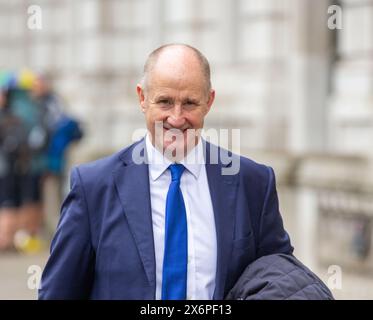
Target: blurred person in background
(35, 135)
(62, 131)
(62, 128)
(29, 176)
(14, 158)
(51, 104)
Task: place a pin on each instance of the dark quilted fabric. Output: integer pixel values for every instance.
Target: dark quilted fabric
(279, 277)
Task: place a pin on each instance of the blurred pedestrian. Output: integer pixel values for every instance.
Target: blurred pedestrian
(34, 135)
(14, 158)
(30, 209)
(62, 128)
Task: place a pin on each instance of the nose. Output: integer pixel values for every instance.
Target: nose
(176, 118)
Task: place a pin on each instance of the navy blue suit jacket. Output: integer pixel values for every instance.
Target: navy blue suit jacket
(104, 248)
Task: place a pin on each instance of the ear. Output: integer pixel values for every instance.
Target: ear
(141, 96)
(211, 99)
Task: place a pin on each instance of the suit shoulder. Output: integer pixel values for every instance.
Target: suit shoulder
(252, 166)
(256, 174)
(247, 165)
(102, 167)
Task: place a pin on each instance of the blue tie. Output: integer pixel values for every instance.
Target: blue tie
(174, 280)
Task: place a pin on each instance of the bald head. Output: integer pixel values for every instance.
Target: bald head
(179, 57)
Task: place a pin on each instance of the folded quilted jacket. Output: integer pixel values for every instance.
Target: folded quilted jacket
(279, 277)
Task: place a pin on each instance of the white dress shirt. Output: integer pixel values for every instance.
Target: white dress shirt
(202, 249)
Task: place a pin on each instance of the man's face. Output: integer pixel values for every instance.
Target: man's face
(175, 103)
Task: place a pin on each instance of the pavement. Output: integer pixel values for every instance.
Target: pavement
(20, 273)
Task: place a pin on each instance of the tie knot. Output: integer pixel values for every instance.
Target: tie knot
(177, 170)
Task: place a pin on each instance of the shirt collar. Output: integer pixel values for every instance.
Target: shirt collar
(158, 163)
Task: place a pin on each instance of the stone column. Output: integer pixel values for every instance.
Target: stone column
(351, 102)
(310, 66)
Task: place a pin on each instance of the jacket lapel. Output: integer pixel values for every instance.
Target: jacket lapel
(132, 182)
(223, 189)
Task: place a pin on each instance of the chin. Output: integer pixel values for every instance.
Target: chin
(174, 151)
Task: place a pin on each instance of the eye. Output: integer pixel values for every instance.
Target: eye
(190, 103)
(165, 102)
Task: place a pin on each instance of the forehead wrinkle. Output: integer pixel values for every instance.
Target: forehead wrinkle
(181, 87)
(172, 93)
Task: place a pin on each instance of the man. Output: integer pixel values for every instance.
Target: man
(12, 147)
(19, 189)
(168, 227)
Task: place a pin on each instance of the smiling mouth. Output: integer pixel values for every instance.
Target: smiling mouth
(176, 129)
